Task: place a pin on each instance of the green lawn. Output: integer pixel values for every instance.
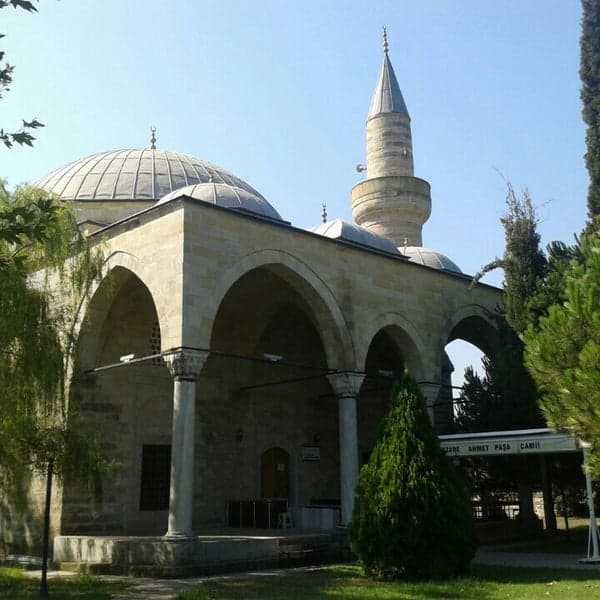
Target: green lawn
(338, 582)
(15, 585)
(486, 583)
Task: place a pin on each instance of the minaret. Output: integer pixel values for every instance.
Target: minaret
(390, 201)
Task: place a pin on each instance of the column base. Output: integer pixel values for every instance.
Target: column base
(173, 536)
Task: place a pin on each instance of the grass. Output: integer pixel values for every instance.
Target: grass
(345, 582)
(15, 585)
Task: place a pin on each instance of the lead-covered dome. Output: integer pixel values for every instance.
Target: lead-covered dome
(226, 196)
(349, 232)
(147, 174)
(430, 258)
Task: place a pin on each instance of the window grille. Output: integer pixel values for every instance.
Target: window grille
(155, 343)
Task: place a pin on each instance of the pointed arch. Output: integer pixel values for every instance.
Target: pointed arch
(324, 307)
(402, 332)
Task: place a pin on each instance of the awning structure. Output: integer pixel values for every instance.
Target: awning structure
(527, 441)
(499, 443)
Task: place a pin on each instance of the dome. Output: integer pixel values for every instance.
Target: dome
(134, 175)
(429, 258)
(226, 196)
(338, 229)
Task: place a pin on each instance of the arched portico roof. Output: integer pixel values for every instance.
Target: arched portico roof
(403, 332)
(324, 307)
(119, 267)
(473, 323)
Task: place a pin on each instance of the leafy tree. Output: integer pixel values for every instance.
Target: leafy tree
(563, 351)
(47, 269)
(412, 517)
(22, 136)
(589, 71)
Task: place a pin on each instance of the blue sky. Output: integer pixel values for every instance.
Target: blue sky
(277, 92)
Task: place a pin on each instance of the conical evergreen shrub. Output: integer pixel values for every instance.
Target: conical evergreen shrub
(412, 516)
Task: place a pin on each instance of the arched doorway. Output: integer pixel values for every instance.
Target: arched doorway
(275, 473)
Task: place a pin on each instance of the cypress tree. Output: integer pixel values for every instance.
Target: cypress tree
(412, 517)
(514, 392)
(511, 395)
(589, 71)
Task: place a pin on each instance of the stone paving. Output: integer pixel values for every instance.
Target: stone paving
(501, 557)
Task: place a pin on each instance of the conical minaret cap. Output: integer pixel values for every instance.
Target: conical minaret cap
(387, 97)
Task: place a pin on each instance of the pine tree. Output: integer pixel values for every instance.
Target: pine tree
(563, 351)
(412, 517)
(589, 71)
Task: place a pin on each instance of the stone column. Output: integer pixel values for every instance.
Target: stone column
(430, 391)
(185, 367)
(347, 387)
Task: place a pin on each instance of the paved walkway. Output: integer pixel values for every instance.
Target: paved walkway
(167, 589)
(500, 556)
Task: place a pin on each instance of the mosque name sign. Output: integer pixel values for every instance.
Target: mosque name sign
(507, 445)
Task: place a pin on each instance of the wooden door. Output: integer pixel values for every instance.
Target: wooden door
(275, 473)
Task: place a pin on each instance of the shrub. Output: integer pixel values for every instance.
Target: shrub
(412, 516)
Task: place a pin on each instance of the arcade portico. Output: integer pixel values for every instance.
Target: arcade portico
(270, 348)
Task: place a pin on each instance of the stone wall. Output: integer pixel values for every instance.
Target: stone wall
(243, 287)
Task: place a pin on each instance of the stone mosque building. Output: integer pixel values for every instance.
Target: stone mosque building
(235, 366)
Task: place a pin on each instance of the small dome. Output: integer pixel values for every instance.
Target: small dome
(338, 229)
(226, 196)
(134, 175)
(429, 258)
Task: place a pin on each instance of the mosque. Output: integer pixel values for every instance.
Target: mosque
(235, 366)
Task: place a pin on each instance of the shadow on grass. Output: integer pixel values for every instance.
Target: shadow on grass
(334, 583)
(15, 585)
(346, 582)
(528, 575)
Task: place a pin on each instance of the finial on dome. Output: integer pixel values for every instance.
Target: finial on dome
(385, 40)
(152, 138)
(324, 213)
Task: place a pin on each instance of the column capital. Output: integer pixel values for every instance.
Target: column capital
(431, 391)
(347, 384)
(186, 364)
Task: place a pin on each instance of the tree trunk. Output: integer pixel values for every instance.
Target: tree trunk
(549, 514)
(46, 540)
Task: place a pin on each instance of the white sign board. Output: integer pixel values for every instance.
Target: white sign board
(496, 446)
(311, 453)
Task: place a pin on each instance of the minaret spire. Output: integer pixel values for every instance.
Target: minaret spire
(387, 97)
(391, 201)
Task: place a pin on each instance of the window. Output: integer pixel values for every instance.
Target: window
(155, 344)
(156, 476)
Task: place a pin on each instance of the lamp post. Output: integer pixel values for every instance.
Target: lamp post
(46, 540)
